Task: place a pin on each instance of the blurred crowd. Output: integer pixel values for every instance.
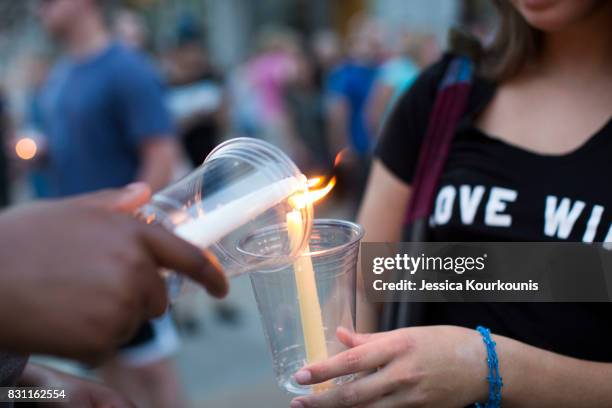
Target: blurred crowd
(104, 110)
(313, 96)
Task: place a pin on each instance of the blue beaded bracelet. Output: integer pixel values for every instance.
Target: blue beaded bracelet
(495, 380)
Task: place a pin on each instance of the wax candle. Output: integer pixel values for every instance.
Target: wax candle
(211, 226)
(308, 298)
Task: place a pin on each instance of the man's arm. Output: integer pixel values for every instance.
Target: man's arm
(148, 125)
(158, 157)
(79, 392)
(78, 277)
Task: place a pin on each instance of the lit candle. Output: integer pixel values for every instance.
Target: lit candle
(211, 226)
(308, 298)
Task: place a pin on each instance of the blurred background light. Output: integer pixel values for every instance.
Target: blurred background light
(26, 148)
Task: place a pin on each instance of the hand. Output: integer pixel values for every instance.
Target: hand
(436, 366)
(80, 393)
(78, 277)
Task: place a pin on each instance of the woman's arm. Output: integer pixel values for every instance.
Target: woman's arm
(381, 214)
(538, 378)
(445, 366)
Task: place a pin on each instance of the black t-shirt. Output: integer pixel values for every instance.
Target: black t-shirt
(493, 191)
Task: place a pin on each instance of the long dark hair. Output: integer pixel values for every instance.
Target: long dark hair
(514, 45)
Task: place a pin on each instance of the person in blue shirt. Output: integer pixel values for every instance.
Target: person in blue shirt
(349, 84)
(395, 77)
(105, 120)
(347, 91)
(104, 117)
(4, 127)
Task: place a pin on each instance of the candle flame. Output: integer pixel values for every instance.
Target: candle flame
(315, 182)
(316, 195)
(311, 196)
(340, 156)
(301, 200)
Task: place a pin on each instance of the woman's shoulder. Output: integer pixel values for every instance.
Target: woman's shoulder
(403, 131)
(425, 87)
(417, 101)
(405, 128)
(433, 74)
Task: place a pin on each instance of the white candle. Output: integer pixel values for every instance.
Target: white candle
(308, 298)
(216, 224)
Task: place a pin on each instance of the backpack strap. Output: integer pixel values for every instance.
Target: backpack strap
(448, 108)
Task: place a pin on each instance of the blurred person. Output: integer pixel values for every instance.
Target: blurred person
(78, 277)
(102, 101)
(107, 125)
(5, 190)
(244, 106)
(304, 101)
(197, 100)
(430, 50)
(394, 78)
(326, 54)
(196, 96)
(349, 85)
(533, 143)
(36, 167)
(259, 88)
(347, 90)
(130, 28)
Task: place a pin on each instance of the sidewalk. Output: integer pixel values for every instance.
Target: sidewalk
(228, 365)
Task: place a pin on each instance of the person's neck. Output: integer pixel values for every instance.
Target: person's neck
(86, 37)
(583, 48)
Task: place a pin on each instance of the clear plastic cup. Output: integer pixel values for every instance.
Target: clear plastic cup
(243, 186)
(333, 249)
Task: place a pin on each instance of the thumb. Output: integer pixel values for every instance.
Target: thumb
(126, 199)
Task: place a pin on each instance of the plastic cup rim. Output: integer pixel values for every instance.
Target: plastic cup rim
(354, 227)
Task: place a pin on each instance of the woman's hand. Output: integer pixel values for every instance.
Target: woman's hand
(436, 366)
(80, 393)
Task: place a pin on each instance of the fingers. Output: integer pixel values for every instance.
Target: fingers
(174, 253)
(361, 358)
(352, 339)
(103, 397)
(126, 199)
(155, 298)
(353, 394)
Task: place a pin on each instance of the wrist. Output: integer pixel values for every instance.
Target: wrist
(494, 378)
(510, 354)
(478, 389)
(467, 365)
